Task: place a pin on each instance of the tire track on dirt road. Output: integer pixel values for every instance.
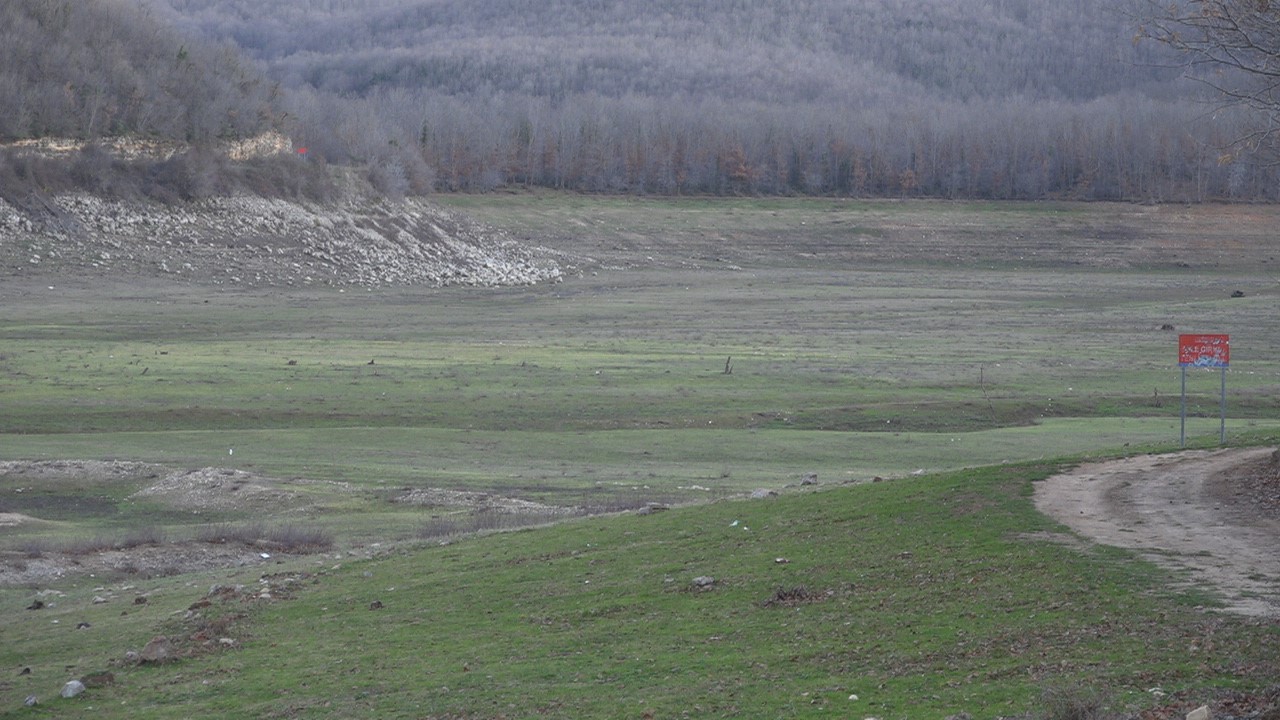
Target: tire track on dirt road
(1171, 509)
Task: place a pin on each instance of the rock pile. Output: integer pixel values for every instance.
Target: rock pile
(251, 241)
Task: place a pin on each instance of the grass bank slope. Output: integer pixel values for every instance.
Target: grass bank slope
(913, 598)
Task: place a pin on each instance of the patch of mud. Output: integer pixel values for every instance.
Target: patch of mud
(1208, 513)
(18, 569)
(10, 519)
(40, 560)
(91, 470)
(478, 501)
(222, 489)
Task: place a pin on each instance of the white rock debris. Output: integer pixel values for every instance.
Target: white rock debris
(251, 241)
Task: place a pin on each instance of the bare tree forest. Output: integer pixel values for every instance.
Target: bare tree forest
(1233, 47)
(887, 98)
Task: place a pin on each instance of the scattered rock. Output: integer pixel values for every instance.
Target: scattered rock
(798, 595)
(36, 605)
(810, 478)
(132, 657)
(99, 600)
(140, 600)
(651, 508)
(83, 626)
(763, 493)
(376, 605)
(72, 689)
(31, 701)
(1167, 327)
(704, 582)
(1237, 294)
(1200, 713)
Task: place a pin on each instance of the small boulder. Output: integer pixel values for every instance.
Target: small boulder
(1200, 713)
(159, 650)
(72, 689)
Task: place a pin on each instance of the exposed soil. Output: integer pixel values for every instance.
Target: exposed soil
(221, 491)
(1214, 514)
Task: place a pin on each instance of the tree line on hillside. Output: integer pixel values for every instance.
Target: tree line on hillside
(1112, 148)
(895, 98)
(986, 99)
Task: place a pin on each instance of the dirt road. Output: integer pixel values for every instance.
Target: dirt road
(1212, 513)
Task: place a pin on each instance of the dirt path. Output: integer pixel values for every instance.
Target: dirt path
(1207, 512)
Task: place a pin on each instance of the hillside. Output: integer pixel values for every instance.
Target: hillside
(993, 99)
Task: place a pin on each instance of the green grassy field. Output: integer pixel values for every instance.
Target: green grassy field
(864, 340)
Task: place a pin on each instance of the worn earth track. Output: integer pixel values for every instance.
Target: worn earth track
(1213, 514)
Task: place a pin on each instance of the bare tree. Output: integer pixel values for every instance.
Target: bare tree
(1234, 47)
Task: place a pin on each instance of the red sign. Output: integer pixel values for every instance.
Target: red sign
(1210, 351)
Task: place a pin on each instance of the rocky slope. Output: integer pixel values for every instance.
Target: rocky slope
(249, 241)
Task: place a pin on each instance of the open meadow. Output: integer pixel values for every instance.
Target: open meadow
(335, 449)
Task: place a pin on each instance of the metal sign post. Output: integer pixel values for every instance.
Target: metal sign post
(1205, 351)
